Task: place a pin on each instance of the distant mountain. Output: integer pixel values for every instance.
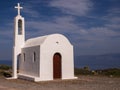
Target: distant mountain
(98, 61)
(93, 61)
(6, 62)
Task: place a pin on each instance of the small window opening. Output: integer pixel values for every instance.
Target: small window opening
(24, 57)
(34, 57)
(19, 27)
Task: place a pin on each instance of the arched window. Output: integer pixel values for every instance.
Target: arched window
(19, 27)
(24, 57)
(18, 61)
(34, 57)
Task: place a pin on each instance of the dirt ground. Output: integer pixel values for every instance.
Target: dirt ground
(82, 83)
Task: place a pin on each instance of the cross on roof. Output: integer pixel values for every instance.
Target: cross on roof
(18, 7)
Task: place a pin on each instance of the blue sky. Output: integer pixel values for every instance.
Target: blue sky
(92, 26)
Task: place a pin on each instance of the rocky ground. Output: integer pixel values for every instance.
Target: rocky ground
(82, 83)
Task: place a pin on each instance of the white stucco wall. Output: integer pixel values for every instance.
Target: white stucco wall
(28, 66)
(52, 45)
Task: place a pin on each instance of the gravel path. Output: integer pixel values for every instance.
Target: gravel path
(82, 83)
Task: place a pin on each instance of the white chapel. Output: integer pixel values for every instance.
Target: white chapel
(42, 58)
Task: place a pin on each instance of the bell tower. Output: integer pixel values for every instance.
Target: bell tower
(19, 39)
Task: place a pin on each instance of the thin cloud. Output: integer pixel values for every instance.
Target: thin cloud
(73, 7)
(103, 32)
(30, 11)
(57, 25)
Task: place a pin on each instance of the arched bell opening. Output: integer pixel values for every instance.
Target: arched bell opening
(19, 27)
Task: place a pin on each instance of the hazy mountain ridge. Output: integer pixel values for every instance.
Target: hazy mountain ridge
(93, 61)
(98, 61)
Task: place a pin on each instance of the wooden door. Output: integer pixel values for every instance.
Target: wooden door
(57, 66)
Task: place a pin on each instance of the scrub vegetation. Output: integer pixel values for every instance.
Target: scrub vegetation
(5, 71)
(112, 72)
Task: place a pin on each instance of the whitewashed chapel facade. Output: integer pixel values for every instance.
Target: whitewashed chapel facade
(43, 58)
